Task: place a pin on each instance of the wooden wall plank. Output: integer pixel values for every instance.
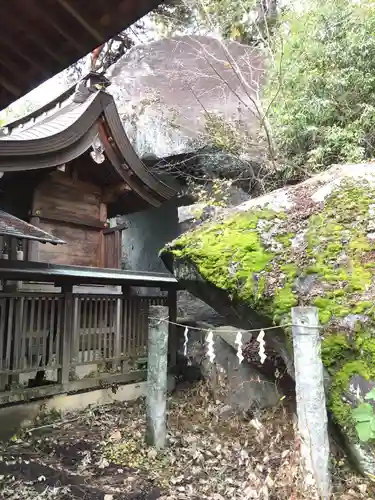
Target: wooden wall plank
(81, 249)
(69, 200)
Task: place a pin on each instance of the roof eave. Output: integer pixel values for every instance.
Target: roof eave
(100, 115)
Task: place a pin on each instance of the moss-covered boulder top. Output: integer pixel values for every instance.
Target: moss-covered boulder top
(311, 244)
(308, 244)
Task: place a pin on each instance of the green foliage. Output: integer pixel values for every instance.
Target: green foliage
(248, 21)
(173, 17)
(364, 418)
(342, 411)
(224, 135)
(325, 110)
(16, 110)
(343, 358)
(232, 18)
(215, 192)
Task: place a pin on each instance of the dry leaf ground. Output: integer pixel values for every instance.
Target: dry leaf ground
(99, 454)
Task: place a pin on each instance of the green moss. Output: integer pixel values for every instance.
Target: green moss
(343, 359)
(342, 411)
(360, 243)
(284, 300)
(324, 316)
(322, 302)
(365, 346)
(231, 255)
(334, 349)
(340, 230)
(285, 239)
(261, 286)
(361, 307)
(334, 248)
(291, 270)
(234, 255)
(360, 278)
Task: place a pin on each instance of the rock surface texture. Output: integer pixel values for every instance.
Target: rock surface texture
(242, 387)
(310, 244)
(164, 90)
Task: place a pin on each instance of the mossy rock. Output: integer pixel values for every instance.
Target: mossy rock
(311, 244)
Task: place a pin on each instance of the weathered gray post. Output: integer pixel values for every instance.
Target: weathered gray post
(311, 402)
(157, 376)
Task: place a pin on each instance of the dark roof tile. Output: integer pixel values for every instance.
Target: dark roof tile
(12, 226)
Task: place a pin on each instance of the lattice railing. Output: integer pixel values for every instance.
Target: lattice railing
(40, 335)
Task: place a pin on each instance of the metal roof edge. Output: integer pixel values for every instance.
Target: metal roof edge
(56, 273)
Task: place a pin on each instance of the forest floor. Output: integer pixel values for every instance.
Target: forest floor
(100, 454)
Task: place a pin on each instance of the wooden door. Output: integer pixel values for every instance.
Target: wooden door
(112, 248)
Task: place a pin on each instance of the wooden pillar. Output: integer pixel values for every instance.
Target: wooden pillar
(157, 377)
(66, 334)
(173, 341)
(13, 249)
(77, 304)
(17, 337)
(12, 286)
(117, 363)
(125, 331)
(102, 239)
(15, 321)
(33, 246)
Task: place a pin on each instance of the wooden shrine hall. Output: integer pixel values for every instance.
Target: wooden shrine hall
(68, 168)
(69, 316)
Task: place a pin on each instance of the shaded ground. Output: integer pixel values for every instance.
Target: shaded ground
(100, 454)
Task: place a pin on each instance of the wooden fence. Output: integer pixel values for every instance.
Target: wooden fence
(70, 341)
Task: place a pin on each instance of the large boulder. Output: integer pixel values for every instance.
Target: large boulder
(310, 244)
(190, 309)
(165, 90)
(241, 387)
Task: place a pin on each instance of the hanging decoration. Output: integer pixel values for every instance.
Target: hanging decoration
(210, 346)
(262, 344)
(238, 341)
(186, 333)
(97, 153)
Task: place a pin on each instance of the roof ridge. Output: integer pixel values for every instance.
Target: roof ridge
(57, 102)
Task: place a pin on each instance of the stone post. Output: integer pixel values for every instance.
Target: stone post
(311, 402)
(157, 376)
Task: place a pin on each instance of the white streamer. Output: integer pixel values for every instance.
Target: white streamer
(238, 341)
(186, 333)
(210, 346)
(262, 344)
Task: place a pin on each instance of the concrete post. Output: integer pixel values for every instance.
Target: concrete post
(157, 376)
(172, 340)
(311, 402)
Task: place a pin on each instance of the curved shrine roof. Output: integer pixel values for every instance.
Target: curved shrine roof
(69, 126)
